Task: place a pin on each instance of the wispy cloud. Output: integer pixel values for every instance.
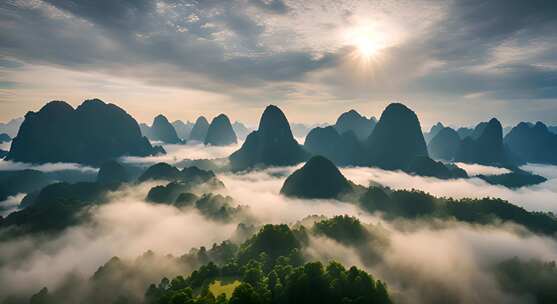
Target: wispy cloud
(6, 165)
(537, 198)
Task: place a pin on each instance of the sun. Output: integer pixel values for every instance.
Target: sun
(368, 42)
(366, 47)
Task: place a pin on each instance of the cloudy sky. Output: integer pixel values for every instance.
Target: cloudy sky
(458, 61)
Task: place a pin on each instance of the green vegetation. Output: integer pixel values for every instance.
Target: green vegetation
(534, 278)
(56, 207)
(516, 179)
(418, 204)
(272, 271)
(60, 205)
(344, 229)
(23, 181)
(318, 178)
(217, 288)
(425, 166)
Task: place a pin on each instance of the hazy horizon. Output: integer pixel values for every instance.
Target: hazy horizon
(252, 123)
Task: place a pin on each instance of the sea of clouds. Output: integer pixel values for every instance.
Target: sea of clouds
(424, 262)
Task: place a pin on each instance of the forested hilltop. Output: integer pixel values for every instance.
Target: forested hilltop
(269, 267)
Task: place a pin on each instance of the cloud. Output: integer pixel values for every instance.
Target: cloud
(454, 264)
(7, 165)
(191, 150)
(506, 55)
(10, 64)
(438, 56)
(11, 204)
(477, 169)
(534, 198)
(424, 262)
(218, 40)
(274, 6)
(5, 146)
(127, 227)
(260, 190)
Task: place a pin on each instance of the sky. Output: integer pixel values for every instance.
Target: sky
(459, 62)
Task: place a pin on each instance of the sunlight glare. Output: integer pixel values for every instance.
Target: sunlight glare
(367, 40)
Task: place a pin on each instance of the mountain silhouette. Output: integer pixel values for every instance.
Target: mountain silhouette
(444, 145)
(11, 127)
(271, 145)
(220, 132)
(4, 138)
(199, 130)
(353, 121)
(425, 166)
(163, 131)
(93, 133)
(190, 175)
(22, 181)
(342, 149)
(433, 131)
(533, 143)
(182, 129)
(485, 146)
(160, 171)
(112, 172)
(319, 178)
(241, 130)
(146, 131)
(464, 132)
(479, 129)
(397, 139)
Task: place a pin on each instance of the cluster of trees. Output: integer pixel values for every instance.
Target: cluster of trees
(534, 279)
(515, 179)
(60, 205)
(55, 207)
(344, 229)
(418, 204)
(284, 283)
(270, 269)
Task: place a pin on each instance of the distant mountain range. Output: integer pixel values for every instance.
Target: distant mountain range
(11, 127)
(96, 132)
(219, 133)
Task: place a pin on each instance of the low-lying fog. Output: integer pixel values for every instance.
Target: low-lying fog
(541, 197)
(191, 150)
(454, 258)
(6, 165)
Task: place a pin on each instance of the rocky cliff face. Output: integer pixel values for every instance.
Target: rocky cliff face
(220, 132)
(533, 143)
(353, 121)
(444, 145)
(199, 130)
(342, 149)
(485, 146)
(271, 145)
(397, 139)
(163, 131)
